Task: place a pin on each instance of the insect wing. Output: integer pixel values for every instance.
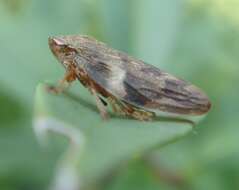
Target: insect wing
(141, 84)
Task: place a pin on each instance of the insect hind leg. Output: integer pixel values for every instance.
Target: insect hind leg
(123, 108)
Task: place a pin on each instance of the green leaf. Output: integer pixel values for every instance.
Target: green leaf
(102, 144)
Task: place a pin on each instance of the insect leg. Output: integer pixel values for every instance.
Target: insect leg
(130, 110)
(100, 105)
(103, 101)
(63, 84)
(116, 106)
(143, 115)
(137, 113)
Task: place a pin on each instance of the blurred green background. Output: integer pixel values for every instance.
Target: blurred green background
(197, 40)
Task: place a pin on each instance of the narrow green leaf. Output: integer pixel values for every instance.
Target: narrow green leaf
(103, 144)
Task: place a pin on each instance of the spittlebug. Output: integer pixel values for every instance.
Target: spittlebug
(132, 87)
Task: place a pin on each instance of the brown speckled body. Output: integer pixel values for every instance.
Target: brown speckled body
(115, 75)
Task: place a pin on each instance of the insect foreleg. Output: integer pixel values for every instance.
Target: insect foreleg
(64, 83)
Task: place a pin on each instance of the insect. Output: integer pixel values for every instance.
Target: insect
(131, 86)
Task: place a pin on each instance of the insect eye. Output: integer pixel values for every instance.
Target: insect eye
(68, 51)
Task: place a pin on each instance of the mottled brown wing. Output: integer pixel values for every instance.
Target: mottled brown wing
(159, 90)
(141, 84)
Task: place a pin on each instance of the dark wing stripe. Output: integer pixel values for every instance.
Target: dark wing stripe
(134, 96)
